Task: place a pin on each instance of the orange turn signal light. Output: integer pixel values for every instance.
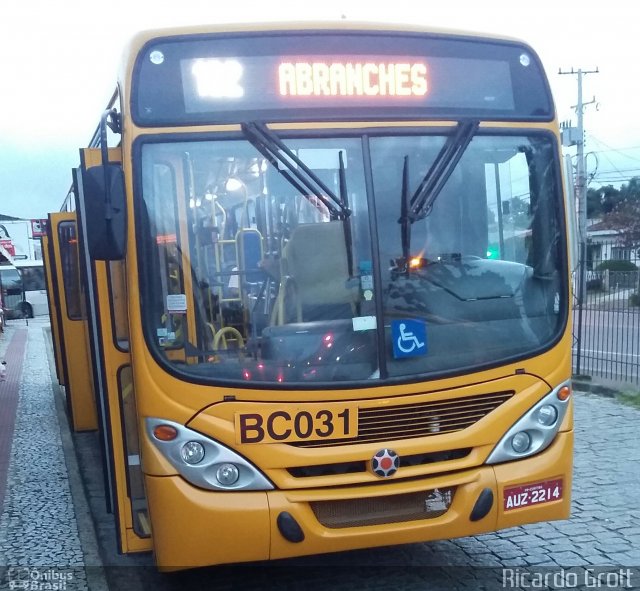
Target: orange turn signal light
(564, 393)
(165, 432)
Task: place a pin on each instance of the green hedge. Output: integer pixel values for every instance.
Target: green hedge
(616, 265)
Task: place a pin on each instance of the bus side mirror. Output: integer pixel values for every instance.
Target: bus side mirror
(105, 212)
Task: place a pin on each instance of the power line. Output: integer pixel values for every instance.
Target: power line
(622, 180)
(613, 166)
(616, 150)
(610, 149)
(621, 171)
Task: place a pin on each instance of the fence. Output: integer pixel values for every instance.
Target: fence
(607, 321)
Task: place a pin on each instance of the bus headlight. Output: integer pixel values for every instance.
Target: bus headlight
(520, 442)
(535, 430)
(547, 415)
(227, 474)
(192, 452)
(204, 462)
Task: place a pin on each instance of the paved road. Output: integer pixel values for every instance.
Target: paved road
(39, 526)
(610, 337)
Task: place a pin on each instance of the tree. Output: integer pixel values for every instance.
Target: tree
(602, 201)
(625, 214)
(519, 212)
(632, 190)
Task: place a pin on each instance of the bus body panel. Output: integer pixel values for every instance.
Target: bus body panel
(257, 536)
(233, 527)
(276, 458)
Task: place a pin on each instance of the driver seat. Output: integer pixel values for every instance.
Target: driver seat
(315, 275)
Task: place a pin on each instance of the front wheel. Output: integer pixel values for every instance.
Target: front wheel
(26, 310)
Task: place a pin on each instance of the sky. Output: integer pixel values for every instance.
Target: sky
(59, 60)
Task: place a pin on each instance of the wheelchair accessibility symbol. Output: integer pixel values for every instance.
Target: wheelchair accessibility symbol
(409, 338)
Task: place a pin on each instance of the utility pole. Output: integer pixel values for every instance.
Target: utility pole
(581, 195)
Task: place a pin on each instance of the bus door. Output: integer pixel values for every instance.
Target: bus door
(109, 339)
(52, 303)
(68, 285)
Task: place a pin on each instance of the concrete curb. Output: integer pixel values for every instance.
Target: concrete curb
(584, 385)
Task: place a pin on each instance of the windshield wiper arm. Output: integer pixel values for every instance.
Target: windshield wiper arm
(344, 202)
(293, 169)
(405, 219)
(447, 159)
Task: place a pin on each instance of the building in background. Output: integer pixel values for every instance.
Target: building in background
(22, 284)
(21, 238)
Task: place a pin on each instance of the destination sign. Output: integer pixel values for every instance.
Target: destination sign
(289, 76)
(352, 79)
(318, 81)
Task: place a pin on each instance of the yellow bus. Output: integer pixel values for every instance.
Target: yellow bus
(327, 292)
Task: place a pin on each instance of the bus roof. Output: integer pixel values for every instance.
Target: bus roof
(142, 37)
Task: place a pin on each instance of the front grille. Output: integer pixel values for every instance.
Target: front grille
(361, 466)
(380, 510)
(422, 419)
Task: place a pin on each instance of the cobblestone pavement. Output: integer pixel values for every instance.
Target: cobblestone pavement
(40, 542)
(38, 527)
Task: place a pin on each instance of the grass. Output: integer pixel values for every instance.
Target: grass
(629, 398)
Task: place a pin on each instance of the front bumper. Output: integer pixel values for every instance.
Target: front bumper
(193, 527)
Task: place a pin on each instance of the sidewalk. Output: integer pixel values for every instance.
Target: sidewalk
(46, 534)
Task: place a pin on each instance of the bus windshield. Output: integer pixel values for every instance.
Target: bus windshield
(305, 263)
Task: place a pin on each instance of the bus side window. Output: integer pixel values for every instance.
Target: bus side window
(71, 270)
(118, 299)
(164, 232)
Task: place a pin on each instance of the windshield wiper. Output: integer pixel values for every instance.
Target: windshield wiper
(344, 202)
(447, 159)
(405, 220)
(421, 202)
(293, 169)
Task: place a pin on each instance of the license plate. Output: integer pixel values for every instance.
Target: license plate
(282, 424)
(535, 493)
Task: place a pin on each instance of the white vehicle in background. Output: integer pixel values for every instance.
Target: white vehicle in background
(24, 289)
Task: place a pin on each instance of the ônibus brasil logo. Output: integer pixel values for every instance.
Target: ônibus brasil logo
(385, 463)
